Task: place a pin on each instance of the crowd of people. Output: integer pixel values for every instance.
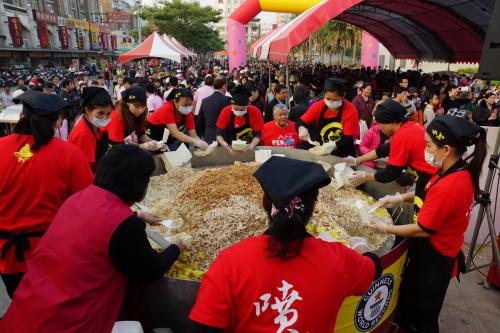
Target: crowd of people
(411, 127)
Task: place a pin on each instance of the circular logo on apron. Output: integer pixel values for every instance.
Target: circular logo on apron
(331, 132)
(374, 303)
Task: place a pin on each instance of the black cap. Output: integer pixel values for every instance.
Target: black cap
(284, 178)
(389, 112)
(43, 104)
(134, 94)
(241, 95)
(453, 131)
(334, 84)
(95, 94)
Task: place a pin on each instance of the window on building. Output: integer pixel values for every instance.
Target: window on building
(14, 2)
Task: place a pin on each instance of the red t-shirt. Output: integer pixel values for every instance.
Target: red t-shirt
(166, 115)
(350, 118)
(272, 135)
(82, 137)
(407, 147)
(242, 295)
(446, 211)
(116, 128)
(34, 184)
(254, 115)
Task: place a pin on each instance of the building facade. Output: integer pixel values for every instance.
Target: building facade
(58, 32)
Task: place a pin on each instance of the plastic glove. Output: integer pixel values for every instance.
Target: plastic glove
(350, 161)
(149, 217)
(357, 178)
(378, 226)
(390, 201)
(334, 146)
(355, 242)
(249, 147)
(150, 145)
(200, 144)
(227, 147)
(303, 133)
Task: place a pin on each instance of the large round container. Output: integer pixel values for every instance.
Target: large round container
(168, 301)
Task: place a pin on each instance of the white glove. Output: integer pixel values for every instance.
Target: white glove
(357, 178)
(303, 133)
(226, 146)
(378, 226)
(200, 144)
(390, 201)
(334, 146)
(350, 161)
(355, 242)
(150, 145)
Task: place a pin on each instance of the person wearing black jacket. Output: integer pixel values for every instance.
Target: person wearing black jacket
(301, 101)
(210, 110)
(73, 99)
(280, 94)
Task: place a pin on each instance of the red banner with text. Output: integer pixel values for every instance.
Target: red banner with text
(43, 35)
(16, 32)
(63, 36)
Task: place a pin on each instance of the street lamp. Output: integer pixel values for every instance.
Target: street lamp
(138, 3)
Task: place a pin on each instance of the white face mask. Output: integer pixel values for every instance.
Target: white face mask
(99, 123)
(185, 110)
(239, 113)
(431, 159)
(333, 104)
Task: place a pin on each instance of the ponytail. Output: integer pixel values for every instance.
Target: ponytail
(288, 231)
(476, 159)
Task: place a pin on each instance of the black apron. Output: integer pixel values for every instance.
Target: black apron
(20, 242)
(244, 133)
(101, 145)
(329, 129)
(426, 279)
(155, 132)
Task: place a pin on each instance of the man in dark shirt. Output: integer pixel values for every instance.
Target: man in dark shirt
(280, 94)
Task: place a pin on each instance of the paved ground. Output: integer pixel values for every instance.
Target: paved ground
(468, 306)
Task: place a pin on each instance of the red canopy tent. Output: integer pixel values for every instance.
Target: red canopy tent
(256, 46)
(181, 47)
(174, 46)
(408, 29)
(153, 47)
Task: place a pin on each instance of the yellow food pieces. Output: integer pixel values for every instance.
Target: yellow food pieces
(187, 266)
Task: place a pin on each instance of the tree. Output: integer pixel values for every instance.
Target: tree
(189, 22)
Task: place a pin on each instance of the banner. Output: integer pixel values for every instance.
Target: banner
(80, 39)
(64, 38)
(369, 50)
(104, 38)
(43, 35)
(44, 17)
(119, 17)
(77, 24)
(16, 32)
(114, 43)
(95, 43)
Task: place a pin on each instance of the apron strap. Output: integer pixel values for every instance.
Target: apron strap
(20, 242)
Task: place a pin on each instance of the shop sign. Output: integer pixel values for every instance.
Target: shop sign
(80, 39)
(95, 40)
(105, 44)
(119, 17)
(63, 36)
(103, 27)
(44, 17)
(76, 64)
(114, 42)
(61, 21)
(16, 32)
(43, 35)
(77, 24)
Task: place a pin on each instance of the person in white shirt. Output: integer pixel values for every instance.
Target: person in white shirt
(153, 101)
(116, 90)
(6, 97)
(127, 83)
(202, 93)
(429, 113)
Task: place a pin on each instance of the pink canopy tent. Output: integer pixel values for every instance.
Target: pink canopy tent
(153, 47)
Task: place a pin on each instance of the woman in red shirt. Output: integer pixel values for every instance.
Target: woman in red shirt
(175, 115)
(335, 119)
(271, 290)
(39, 172)
(128, 120)
(437, 237)
(87, 133)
